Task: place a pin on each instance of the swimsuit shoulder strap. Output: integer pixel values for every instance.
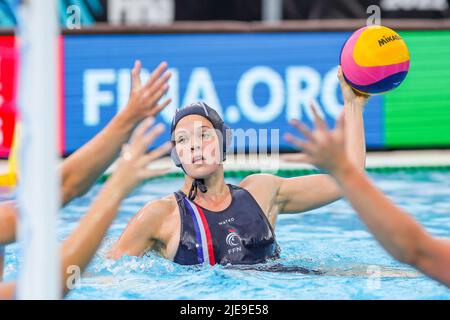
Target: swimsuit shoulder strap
(179, 197)
(234, 187)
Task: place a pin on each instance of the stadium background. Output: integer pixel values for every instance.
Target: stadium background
(258, 76)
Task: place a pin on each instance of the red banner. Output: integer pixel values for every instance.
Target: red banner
(8, 88)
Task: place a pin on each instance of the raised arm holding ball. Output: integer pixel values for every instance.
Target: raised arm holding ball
(209, 221)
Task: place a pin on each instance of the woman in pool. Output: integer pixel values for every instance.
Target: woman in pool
(80, 171)
(396, 231)
(79, 248)
(208, 221)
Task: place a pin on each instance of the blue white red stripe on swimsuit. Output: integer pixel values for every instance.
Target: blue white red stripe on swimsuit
(205, 251)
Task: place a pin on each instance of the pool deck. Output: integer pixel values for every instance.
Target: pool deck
(378, 159)
(414, 158)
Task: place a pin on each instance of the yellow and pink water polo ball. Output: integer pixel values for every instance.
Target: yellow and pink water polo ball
(374, 60)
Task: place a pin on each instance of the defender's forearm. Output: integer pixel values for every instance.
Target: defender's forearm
(79, 248)
(397, 232)
(82, 169)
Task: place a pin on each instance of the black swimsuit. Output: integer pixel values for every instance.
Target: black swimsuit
(240, 234)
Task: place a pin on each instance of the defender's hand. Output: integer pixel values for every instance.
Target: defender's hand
(144, 98)
(132, 167)
(323, 148)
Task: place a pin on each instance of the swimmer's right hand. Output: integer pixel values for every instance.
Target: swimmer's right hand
(350, 95)
(132, 167)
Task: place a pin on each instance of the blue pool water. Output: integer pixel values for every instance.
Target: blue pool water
(331, 239)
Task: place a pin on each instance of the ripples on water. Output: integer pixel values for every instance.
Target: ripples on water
(331, 239)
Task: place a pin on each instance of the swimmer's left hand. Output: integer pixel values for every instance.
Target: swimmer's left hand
(324, 148)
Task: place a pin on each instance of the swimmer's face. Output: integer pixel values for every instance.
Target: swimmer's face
(198, 146)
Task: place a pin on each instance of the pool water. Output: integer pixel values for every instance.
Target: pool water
(331, 239)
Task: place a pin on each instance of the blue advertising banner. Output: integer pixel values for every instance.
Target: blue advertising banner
(256, 81)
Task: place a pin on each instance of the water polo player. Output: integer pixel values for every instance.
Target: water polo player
(209, 221)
